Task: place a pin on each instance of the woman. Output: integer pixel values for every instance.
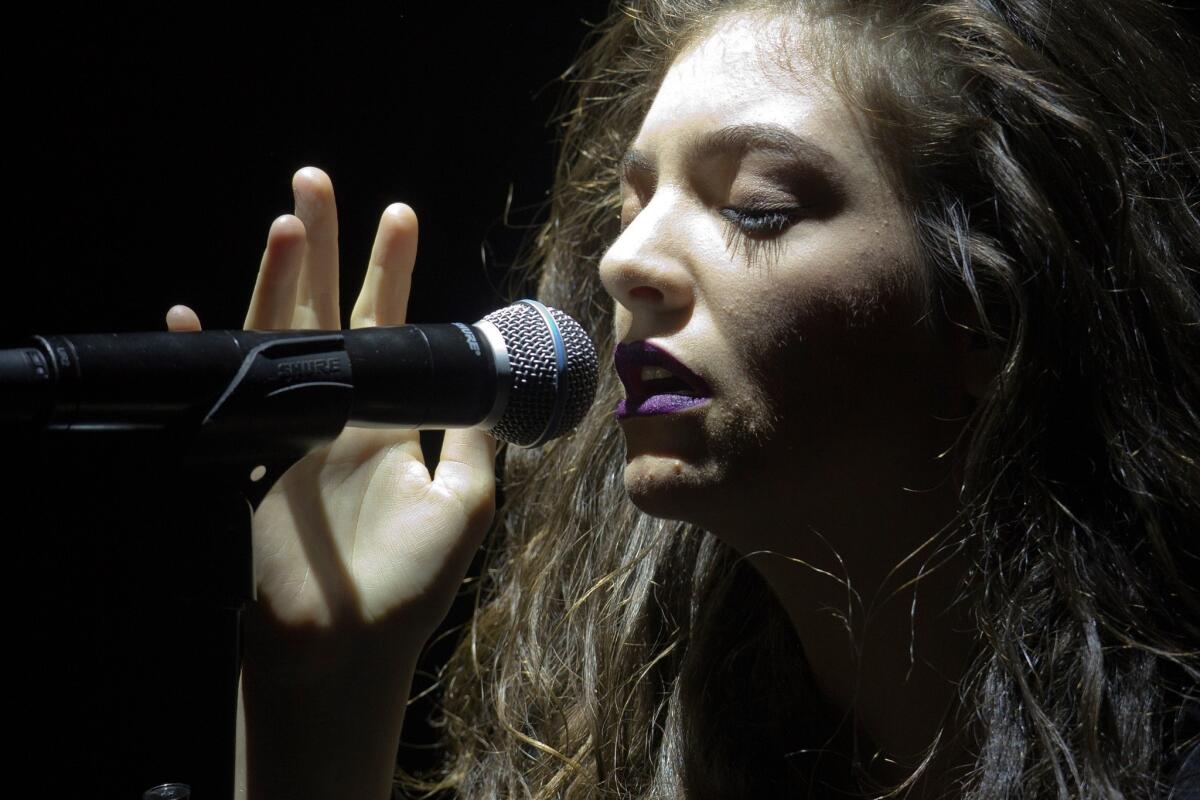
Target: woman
(902, 492)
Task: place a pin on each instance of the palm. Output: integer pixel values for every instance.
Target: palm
(358, 531)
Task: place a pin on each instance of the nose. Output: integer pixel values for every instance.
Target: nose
(646, 268)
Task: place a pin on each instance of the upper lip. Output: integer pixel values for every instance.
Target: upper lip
(631, 357)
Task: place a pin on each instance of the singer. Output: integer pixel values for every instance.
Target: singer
(892, 488)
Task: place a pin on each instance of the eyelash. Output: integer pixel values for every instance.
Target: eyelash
(761, 222)
(759, 228)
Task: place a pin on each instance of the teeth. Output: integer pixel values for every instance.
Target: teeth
(651, 373)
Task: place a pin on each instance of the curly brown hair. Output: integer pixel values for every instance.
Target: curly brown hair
(1047, 151)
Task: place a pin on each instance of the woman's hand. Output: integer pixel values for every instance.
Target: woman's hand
(357, 547)
(358, 550)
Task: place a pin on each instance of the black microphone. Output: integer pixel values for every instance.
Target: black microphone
(526, 373)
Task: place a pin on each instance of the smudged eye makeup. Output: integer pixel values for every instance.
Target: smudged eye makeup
(754, 230)
(761, 222)
(757, 179)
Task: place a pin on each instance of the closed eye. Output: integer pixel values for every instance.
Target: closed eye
(757, 230)
(762, 222)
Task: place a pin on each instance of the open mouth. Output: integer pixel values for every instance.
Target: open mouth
(656, 382)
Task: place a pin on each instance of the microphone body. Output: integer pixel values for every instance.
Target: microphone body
(229, 391)
(406, 376)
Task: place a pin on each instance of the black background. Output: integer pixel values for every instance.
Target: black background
(147, 156)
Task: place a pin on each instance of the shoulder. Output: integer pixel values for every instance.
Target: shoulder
(1186, 784)
(1187, 780)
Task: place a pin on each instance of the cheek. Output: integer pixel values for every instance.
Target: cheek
(837, 340)
(842, 284)
(867, 387)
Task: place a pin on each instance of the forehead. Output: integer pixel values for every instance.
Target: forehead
(748, 70)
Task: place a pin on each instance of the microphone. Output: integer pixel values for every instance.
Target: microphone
(525, 373)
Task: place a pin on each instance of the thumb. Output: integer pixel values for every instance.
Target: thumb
(182, 318)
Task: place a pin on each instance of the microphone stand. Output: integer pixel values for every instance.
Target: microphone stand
(178, 503)
(176, 574)
(210, 563)
(226, 414)
(164, 564)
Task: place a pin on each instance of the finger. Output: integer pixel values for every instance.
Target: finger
(468, 461)
(182, 318)
(274, 299)
(317, 291)
(383, 299)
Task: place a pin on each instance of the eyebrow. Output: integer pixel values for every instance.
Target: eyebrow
(738, 140)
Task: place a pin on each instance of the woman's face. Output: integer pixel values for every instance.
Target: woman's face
(769, 299)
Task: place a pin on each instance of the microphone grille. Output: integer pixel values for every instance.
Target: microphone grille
(553, 364)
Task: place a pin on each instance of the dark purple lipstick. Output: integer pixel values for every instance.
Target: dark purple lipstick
(655, 382)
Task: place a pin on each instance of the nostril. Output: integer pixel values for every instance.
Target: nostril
(646, 293)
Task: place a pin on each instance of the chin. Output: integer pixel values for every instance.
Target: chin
(671, 488)
(682, 466)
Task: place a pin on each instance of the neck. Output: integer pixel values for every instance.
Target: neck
(872, 600)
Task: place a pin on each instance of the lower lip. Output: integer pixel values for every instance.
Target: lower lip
(658, 404)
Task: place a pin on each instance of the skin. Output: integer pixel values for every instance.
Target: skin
(832, 399)
(833, 395)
